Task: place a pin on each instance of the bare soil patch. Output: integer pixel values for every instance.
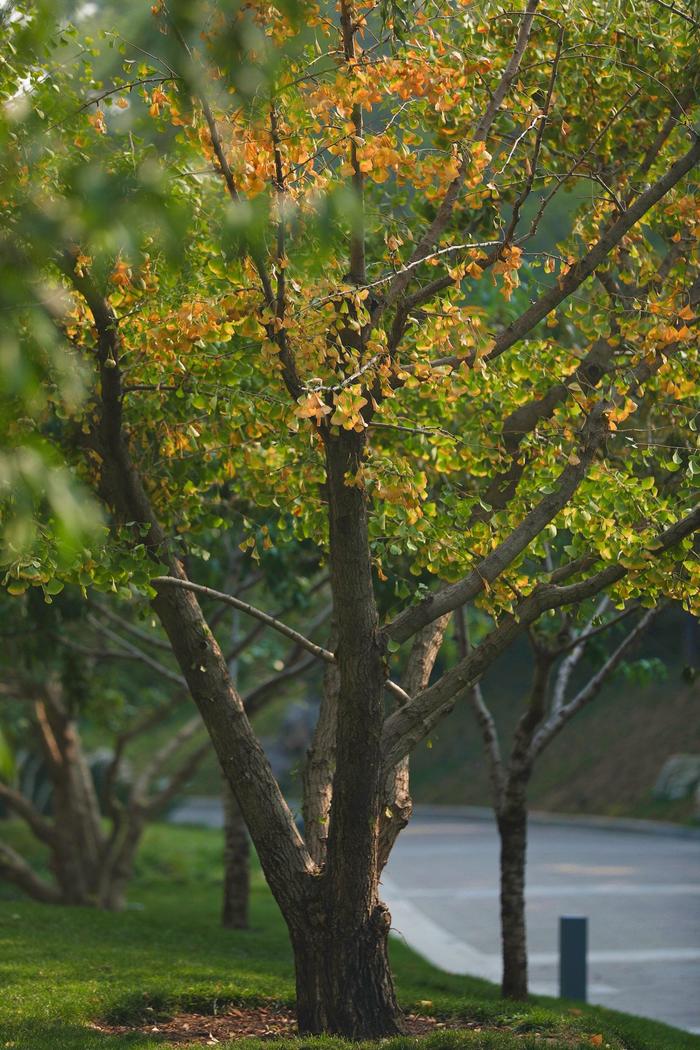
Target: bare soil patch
(262, 1022)
(266, 1022)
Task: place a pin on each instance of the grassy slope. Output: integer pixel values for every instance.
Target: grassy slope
(60, 968)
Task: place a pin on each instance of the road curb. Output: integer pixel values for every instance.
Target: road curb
(624, 825)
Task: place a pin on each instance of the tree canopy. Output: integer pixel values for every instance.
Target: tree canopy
(413, 289)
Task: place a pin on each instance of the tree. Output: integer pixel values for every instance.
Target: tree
(320, 345)
(92, 860)
(547, 710)
(93, 829)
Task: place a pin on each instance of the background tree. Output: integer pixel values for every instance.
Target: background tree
(91, 827)
(48, 706)
(549, 706)
(346, 372)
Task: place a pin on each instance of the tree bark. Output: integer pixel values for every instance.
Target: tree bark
(345, 958)
(398, 804)
(78, 839)
(343, 978)
(118, 862)
(234, 912)
(512, 829)
(319, 766)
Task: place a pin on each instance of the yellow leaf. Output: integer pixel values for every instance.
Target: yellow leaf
(312, 407)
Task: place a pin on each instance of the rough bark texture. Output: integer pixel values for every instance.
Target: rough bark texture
(398, 804)
(343, 979)
(234, 912)
(352, 990)
(319, 766)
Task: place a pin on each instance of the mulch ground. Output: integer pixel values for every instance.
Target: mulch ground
(263, 1022)
(270, 1022)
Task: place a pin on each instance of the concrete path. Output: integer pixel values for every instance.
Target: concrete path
(639, 889)
(641, 893)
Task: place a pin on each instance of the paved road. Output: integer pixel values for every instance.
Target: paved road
(641, 893)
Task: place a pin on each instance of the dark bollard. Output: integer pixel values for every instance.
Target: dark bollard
(573, 962)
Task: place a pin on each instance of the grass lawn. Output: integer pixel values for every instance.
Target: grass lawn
(62, 968)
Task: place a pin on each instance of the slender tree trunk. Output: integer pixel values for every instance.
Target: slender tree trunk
(512, 828)
(78, 841)
(319, 766)
(398, 804)
(118, 862)
(234, 912)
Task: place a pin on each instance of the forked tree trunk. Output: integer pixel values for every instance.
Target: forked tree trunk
(512, 828)
(235, 907)
(91, 864)
(344, 982)
(337, 926)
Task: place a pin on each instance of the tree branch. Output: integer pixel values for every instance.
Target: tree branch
(201, 661)
(406, 727)
(256, 697)
(161, 757)
(592, 435)
(583, 269)
(136, 653)
(575, 652)
(566, 711)
(485, 721)
(16, 870)
(179, 778)
(144, 636)
(587, 265)
(490, 567)
(270, 621)
(24, 808)
(439, 224)
(681, 14)
(289, 372)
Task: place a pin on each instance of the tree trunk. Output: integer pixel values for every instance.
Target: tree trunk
(345, 984)
(78, 839)
(343, 978)
(118, 860)
(234, 912)
(398, 804)
(319, 766)
(512, 828)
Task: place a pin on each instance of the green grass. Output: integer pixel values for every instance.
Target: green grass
(61, 968)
